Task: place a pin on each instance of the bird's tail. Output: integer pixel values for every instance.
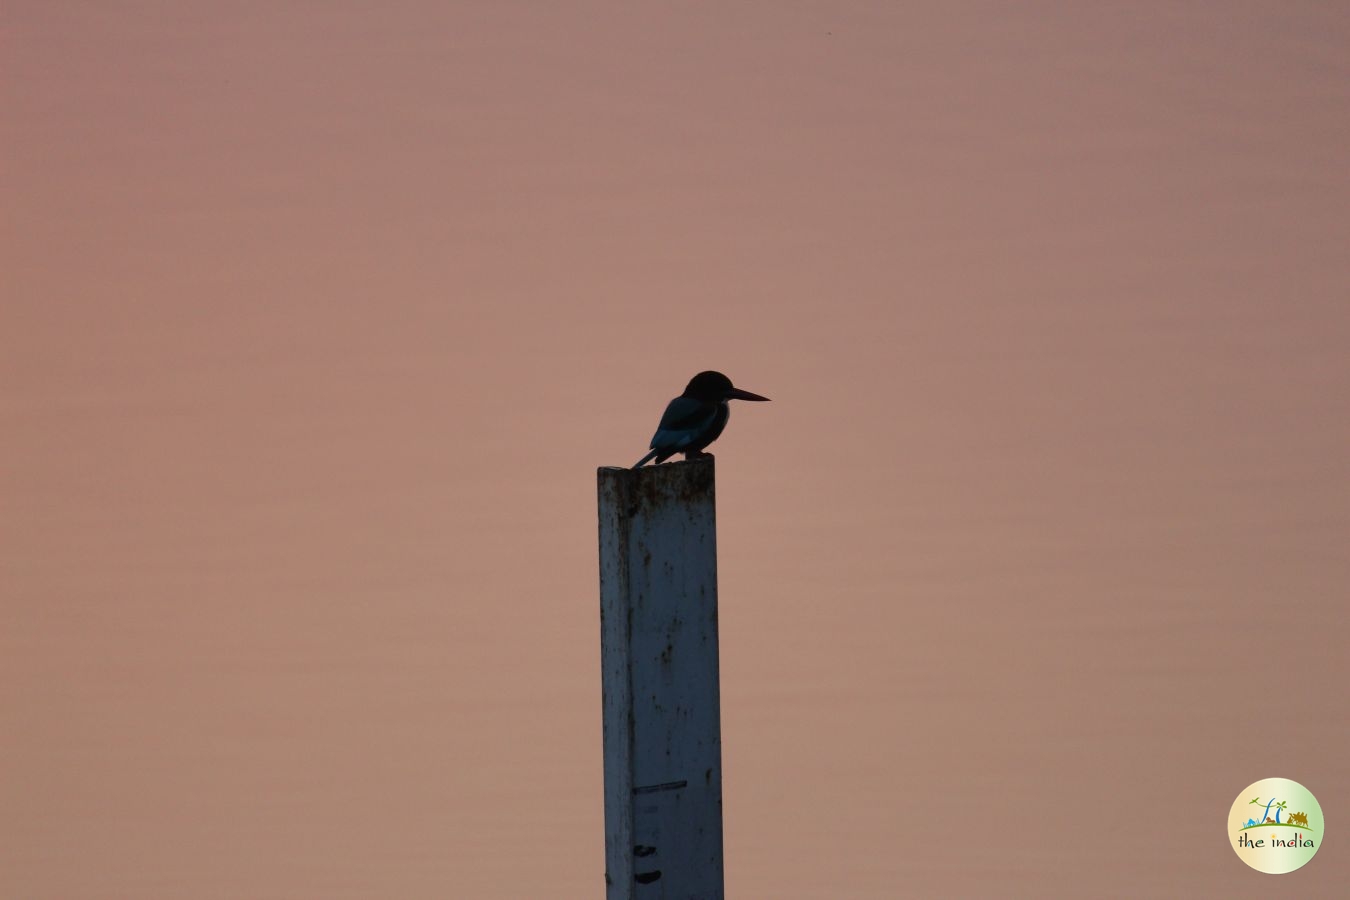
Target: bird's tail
(640, 462)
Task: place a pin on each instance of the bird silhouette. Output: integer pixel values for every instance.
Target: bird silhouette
(694, 419)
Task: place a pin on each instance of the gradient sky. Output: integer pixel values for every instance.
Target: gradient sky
(318, 318)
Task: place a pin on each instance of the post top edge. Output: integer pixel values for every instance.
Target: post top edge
(666, 469)
(686, 480)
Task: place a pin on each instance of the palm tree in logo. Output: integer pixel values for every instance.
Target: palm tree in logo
(1278, 806)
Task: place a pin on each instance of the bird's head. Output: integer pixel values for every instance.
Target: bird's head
(714, 387)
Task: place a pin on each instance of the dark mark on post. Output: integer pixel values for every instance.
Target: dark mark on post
(665, 786)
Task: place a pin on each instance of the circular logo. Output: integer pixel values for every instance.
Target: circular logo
(1275, 825)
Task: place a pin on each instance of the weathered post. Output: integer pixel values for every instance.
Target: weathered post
(662, 706)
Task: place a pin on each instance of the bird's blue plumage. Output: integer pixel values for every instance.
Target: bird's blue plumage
(689, 424)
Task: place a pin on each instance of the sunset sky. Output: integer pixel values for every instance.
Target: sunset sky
(317, 319)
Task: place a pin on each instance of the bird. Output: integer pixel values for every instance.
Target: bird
(694, 419)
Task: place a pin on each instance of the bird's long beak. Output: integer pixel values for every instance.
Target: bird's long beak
(738, 394)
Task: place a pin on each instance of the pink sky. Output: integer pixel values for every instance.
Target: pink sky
(318, 318)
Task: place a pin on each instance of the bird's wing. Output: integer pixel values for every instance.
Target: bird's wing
(685, 418)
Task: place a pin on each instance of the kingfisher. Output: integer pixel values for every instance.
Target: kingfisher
(694, 419)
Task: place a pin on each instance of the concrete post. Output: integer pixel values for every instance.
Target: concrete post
(662, 706)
